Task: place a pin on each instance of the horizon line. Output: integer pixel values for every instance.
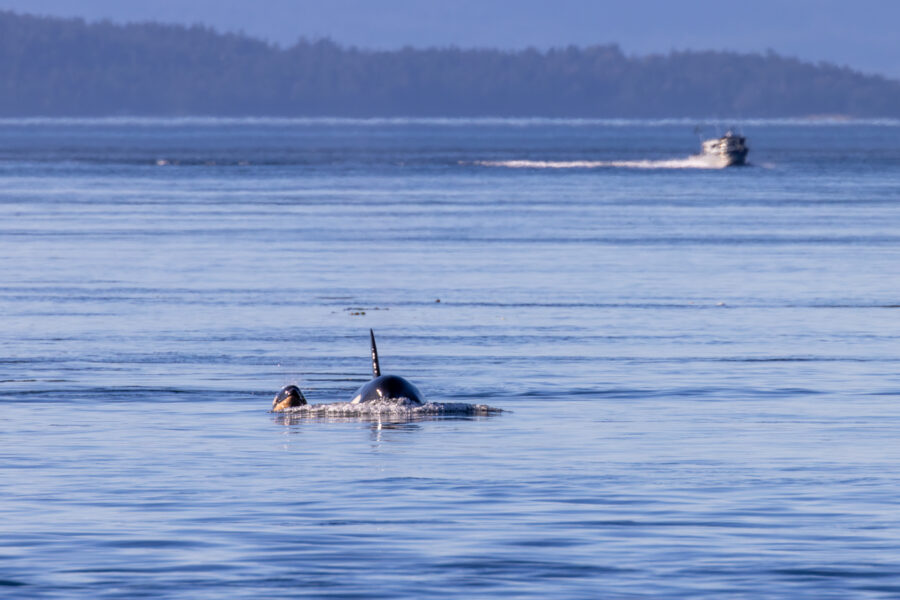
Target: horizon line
(211, 120)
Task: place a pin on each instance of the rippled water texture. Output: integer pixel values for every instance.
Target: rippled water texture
(699, 368)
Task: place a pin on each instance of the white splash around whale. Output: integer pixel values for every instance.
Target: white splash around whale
(392, 407)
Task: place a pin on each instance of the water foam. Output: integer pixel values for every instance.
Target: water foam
(695, 161)
(392, 408)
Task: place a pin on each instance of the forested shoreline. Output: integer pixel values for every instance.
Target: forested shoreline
(67, 67)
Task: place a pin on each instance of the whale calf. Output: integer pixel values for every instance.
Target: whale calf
(385, 387)
(289, 397)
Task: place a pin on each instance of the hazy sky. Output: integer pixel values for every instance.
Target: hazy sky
(859, 33)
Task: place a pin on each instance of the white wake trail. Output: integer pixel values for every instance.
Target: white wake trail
(696, 161)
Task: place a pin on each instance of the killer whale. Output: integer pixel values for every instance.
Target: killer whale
(384, 387)
(289, 397)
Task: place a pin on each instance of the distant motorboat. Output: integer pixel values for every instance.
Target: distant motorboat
(731, 149)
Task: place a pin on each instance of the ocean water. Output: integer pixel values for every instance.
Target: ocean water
(699, 368)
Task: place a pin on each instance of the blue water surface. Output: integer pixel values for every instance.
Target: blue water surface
(699, 367)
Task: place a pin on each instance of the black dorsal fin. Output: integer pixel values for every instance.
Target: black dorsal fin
(376, 369)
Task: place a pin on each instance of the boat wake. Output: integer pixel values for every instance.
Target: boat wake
(392, 409)
(696, 161)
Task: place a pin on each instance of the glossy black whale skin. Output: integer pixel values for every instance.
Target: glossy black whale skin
(385, 387)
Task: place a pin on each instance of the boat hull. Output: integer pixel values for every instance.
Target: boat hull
(736, 158)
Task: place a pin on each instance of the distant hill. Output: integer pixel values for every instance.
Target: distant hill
(66, 67)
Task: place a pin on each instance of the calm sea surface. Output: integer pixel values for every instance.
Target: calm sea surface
(700, 367)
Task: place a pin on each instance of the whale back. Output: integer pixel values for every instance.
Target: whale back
(387, 387)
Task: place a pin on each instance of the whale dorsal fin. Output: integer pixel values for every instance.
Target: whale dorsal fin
(376, 369)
